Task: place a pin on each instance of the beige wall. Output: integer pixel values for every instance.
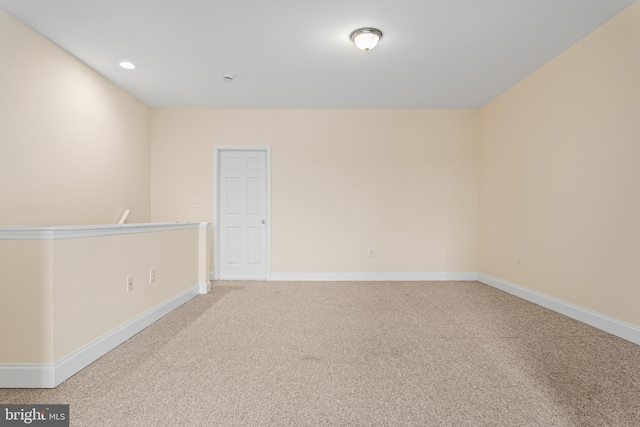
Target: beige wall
(57, 296)
(343, 181)
(74, 148)
(560, 175)
(90, 281)
(26, 302)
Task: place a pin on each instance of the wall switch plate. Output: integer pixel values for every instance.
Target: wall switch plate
(152, 276)
(518, 262)
(195, 203)
(129, 284)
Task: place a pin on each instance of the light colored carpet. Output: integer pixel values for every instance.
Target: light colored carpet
(357, 354)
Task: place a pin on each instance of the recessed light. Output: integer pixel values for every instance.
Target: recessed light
(127, 65)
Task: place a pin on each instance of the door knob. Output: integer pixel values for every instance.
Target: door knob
(262, 222)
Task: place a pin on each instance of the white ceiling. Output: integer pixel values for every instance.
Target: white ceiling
(297, 54)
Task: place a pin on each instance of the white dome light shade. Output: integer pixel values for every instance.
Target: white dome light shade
(366, 38)
(127, 65)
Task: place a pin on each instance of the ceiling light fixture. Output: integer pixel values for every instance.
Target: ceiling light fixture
(127, 65)
(366, 38)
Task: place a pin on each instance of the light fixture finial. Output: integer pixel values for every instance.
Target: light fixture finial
(366, 38)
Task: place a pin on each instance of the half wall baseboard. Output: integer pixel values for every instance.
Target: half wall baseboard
(27, 375)
(600, 321)
(204, 288)
(52, 375)
(373, 276)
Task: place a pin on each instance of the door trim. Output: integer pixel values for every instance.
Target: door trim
(217, 149)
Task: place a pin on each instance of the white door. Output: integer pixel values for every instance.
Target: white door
(242, 210)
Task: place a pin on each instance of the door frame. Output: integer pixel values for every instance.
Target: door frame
(217, 149)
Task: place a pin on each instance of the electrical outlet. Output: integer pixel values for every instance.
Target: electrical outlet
(195, 203)
(152, 276)
(372, 253)
(129, 284)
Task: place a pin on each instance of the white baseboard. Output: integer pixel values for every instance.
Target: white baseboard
(373, 276)
(605, 323)
(51, 375)
(204, 288)
(285, 276)
(27, 375)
